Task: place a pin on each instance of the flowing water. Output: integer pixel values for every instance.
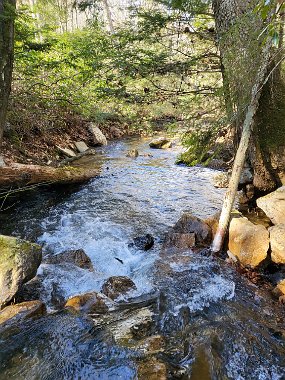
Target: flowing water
(215, 325)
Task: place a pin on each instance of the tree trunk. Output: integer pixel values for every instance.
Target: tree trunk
(7, 16)
(240, 33)
(109, 16)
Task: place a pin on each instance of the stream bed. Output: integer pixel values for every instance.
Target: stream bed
(214, 324)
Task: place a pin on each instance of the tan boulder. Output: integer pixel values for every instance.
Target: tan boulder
(279, 290)
(77, 257)
(159, 143)
(273, 205)
(277, 243)
(92, 302)
(248, 242)
(22, 311)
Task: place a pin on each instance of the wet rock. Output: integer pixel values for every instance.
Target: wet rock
(152, 344)
(22, 311)
(248, 242)
(125, 330)
(91, 303)
(57, 296)
(277, 243)
(76, 257)
(144, 243)
(187, 232)
(167, 145)
(279, 290)
(97, 136)
(30, 291)
(159, 143)
(132, 153)
(273, 205)
(66, 151)
(81, 146)
(19, 261)
(117, 285)
(152, 369)
(221, 180)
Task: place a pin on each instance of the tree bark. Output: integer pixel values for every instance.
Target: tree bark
(7, 16)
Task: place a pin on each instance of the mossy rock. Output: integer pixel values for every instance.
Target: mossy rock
(19, 261)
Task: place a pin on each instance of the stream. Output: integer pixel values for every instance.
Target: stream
(214, 324)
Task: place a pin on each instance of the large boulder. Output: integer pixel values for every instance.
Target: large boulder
(19, 261)
(189, 231)
(277, 243)
(248, 242)
(117, 285)
(21, 311)
(97, 136)
(160, 143)
(76, 257)
(273, 205)
(93, 302)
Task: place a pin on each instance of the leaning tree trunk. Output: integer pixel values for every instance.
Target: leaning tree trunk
(7, 16)
(240, 36)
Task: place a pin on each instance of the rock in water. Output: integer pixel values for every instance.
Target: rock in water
(98, 137)
(19, 261)
(81, 146)
(117, 285)
(277, 243)
(92, 302)
(221, 180)
(77, 257)
(248, 242)
(21, 311)
(144, 243)
(189, 231)
(132, 153)
(273, 205)
(159, 143)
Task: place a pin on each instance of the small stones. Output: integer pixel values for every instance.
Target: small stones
(117, 285)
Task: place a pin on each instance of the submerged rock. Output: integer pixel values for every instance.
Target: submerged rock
(277, 243)
(159, 143)
(248, 242)
(19, 261)
(152, 369)
(77, 257)
(92, 302)
(189, 231)
(21, 311)
(144, 242)
(273, 205)
(132, 153)
(117, 285)
(98, 137)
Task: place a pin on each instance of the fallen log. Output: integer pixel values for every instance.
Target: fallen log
(21, 175)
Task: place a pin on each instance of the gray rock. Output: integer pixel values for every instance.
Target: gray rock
(19, 261)
(81, 146)
(68, 152)
(273, 205)
(98, 137)
(277, 243)
(77, 257)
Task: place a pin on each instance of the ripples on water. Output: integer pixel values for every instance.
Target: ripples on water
(203, 308)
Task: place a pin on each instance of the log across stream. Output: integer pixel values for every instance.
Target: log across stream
(191, 316)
